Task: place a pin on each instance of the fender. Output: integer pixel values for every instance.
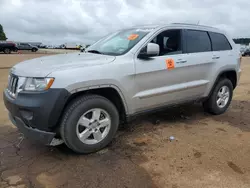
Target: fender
(86, 88)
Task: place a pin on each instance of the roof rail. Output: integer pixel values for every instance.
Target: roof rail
(193, 25)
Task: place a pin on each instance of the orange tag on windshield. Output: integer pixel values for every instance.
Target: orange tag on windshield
(170, 64)
(133, 37)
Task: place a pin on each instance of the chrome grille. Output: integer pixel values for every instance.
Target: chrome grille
(12, 84)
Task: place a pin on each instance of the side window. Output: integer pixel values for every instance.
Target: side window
(169, 42)
(23, 44)
(219, 42)
(197, 41)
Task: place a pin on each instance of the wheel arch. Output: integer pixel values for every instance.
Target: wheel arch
(111, 92)
(231, 74)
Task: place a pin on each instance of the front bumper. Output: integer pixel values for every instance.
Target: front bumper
(37, 115)
(33, 133)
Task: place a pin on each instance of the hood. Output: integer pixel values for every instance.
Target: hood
(43, 66)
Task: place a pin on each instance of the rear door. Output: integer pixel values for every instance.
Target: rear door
(24, 46)
(224, 56)
(27, 46)
(198, 48)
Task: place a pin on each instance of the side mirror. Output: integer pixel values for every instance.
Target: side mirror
(150, 50)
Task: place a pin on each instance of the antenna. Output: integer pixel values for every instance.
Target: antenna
(198, 22)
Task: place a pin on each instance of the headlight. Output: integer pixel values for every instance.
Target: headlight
(38, 84)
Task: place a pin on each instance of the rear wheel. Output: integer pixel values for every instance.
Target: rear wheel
(220, 98)
(6, 51)
(89, 124)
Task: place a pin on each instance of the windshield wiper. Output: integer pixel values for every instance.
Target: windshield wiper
(94, 51)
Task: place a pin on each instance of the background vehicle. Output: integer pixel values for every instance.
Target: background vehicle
(42, 46)
(26, 46)
(130, 72)
(246, 52)
(7, 47)
(72, 46)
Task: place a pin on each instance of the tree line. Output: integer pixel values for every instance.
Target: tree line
(2, 34)
(245, 41)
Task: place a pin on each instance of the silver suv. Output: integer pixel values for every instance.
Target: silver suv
(81, 98)
(26, 46)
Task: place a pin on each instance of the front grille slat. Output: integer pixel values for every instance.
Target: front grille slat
(13, 83)
(10, 84)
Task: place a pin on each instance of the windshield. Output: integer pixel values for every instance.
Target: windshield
(118, 43)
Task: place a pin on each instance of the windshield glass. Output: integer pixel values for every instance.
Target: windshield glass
(118, 43)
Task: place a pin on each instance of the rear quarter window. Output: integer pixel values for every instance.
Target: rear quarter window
(219, 42)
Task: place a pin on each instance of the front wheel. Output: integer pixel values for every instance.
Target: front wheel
(89, 124)
(221, 97)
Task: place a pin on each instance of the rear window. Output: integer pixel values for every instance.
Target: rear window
(197, 41)
(219, 42)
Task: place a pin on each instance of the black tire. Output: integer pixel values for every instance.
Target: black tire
(73, 113)
(33, 49)
(210, 105)
(7, 51)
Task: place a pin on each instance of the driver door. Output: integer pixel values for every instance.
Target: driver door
(156, 83)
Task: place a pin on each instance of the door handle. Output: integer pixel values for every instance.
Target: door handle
(181, 61)
(216, 57)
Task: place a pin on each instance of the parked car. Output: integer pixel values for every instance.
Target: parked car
(50, 47)
(26, 46)
(7, 47)
(80, 98)
(62, 46)
(246, 52)
(42, 46)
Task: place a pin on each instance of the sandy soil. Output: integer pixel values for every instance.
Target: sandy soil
(208, 151)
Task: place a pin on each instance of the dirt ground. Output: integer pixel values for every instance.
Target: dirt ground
(208, 151)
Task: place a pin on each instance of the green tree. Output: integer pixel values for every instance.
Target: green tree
(2, 34)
